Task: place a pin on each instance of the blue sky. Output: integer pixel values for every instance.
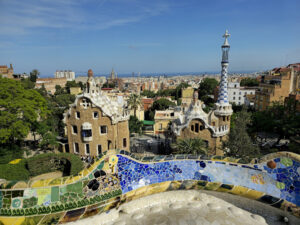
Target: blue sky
(147, 36)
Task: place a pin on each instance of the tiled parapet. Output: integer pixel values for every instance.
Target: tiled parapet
(121, 177)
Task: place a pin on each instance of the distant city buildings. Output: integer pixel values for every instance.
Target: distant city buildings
(6, 71)
(95, 123)
(277, 85)
(50, 83)
(68, 74)
(238, 94)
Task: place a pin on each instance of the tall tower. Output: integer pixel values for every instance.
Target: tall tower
(112, 74)
(222, 107)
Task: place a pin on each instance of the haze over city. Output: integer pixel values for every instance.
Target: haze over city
(147, 36)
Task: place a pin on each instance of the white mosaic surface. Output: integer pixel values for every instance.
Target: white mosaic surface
(178, 208)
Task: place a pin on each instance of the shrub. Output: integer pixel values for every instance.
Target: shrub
(69, 164)
(14, 171)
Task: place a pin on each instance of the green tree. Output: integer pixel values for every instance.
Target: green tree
(73, 83)
(135, 126)
(207, 87)
(249, 82)
(34, 74)
(195, 146)
(27, 83)
(162, 104)
(134, 102)
(19, 109)
(59, 90)
(278, 118)
(239, 143)
(148, 94)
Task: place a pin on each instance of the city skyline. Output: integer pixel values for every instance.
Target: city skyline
(148, 37)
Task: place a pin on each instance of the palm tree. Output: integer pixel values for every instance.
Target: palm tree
(134, 102)
(194, 146)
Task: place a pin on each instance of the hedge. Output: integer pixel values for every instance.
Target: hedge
(40, 164)
(43, 164)
(14, 171)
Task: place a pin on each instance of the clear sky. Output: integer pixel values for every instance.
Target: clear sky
(147, 35)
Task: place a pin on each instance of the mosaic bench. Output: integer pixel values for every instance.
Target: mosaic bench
(119, 177)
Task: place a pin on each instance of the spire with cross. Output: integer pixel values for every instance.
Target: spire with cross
(222, 106)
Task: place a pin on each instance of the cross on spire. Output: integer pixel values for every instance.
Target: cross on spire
(226, 35)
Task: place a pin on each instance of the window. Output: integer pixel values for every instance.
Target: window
(240, 93)
(103, 129)
(124, 142)
(96, 115)
(192, 128)
(160, 126)
(77, 115)
(86, 133)
(235, 85)
(87, 149)
(213, 123)
(233, 98)
(233, 93)
(223, 118)
(172, 114)
(196, 127)
(239, 98)
(74, 128)
(201, 127)
(206, 144)
(76, 148)
(99, 150)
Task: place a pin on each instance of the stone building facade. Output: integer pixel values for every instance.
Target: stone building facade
(95, 123)
(276, 86)
(211, 127)
(7, 71)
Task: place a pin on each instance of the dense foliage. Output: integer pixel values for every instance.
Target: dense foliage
(239, 143)
(135, 126)
(160, 104)
(279, 119)
(174, 93)
(134, 102)
(206, 89)
(19, 109)
(14, 171)
(195, 146)
(69, 164)
(249, 82)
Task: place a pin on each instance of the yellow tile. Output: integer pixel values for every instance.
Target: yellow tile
(12, 220)
(253, 194)
(239, 190)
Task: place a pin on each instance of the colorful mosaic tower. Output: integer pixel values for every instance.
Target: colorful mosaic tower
(223, 108)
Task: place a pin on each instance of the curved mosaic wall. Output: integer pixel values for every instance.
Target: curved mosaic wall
(118, 178)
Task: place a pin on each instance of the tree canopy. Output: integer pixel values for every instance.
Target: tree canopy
(19, 108)
(195, 146)
(135, 126)
(249, 82)
(239, 142)
(134, 102)
(34, 74)
(207, 88)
